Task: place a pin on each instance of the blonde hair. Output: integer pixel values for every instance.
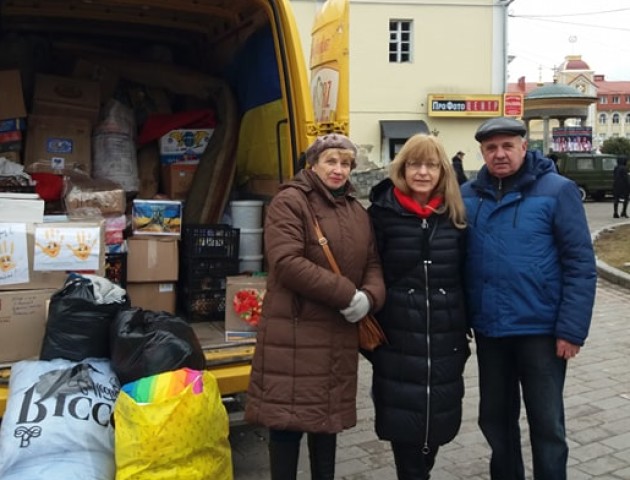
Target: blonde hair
(418, 148)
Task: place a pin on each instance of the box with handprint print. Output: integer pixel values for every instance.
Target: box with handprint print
(70, 247)
(17, 247)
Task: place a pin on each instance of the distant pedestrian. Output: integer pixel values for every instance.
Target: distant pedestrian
(458, 166)
(530, 280)
(621, 188)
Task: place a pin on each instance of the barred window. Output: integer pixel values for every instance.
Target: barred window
(400, 41)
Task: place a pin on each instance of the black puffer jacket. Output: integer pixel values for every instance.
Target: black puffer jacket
(419, 375)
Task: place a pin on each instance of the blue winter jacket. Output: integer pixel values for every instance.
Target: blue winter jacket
(530, 267)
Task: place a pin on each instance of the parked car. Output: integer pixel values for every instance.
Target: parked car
(592, 172)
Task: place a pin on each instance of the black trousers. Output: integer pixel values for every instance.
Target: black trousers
(412, 463)
(284, 449)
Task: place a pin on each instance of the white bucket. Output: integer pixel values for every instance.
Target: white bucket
(250, 242)
(246, 213)
(252, 263)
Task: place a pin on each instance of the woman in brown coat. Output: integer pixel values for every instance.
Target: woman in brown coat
(304, 371)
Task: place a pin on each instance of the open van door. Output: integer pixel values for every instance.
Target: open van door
(330, 68)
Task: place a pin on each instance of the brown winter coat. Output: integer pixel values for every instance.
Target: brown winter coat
(304, 371)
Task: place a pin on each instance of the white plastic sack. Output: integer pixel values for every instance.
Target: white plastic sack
(57, 421)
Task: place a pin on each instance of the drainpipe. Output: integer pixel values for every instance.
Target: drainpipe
(505, 4)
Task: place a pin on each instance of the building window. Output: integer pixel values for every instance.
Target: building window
(616, 100)
(602, 119)
(603, 100)
(627, 98)
(627, 120)
(615, 119)
(400, 41)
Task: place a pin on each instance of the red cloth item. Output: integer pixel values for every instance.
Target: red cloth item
(49, 186)
(159, 124)
(412, 206)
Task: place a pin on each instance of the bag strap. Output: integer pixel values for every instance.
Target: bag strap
(322, 240)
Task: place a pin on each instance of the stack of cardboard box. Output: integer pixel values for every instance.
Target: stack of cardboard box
(35, 257)
(12, 115)
(59, 136)
(153, 254)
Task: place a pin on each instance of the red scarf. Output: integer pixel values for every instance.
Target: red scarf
(412, 206)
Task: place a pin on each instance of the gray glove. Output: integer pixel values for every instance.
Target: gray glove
(358, 308)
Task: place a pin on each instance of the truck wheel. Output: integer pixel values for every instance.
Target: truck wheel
(583, 193)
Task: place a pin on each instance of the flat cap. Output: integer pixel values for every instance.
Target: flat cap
(332, 140)
(500, 125)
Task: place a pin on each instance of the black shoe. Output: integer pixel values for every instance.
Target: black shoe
(615, 215)
(624, 215)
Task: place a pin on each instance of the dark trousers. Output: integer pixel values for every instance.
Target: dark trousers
(412, 463)
(624, 204)
(284, 449)
(531, 363)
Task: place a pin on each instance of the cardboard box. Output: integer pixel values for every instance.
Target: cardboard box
(11, 141)
(66, 97)
(21, 208)
(23, 259)
(11, 95)
(177, 179)
(22, 323)
(264, 186)
(12, 124)
(183, 145)
(153, 296)
(156, 217)
(58, 145)
(82, 246)
(152, 259)
(243, 306)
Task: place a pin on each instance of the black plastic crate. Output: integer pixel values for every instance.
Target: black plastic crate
(209, 241)
(206, 271)
(203, 304)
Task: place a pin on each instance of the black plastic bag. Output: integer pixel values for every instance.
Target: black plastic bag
(78, 325)
(146, 343)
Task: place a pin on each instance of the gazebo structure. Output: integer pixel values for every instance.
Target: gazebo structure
(555, 102)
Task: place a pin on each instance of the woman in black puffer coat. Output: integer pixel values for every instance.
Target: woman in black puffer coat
(418, 386)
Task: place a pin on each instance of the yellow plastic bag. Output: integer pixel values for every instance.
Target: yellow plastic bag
(182, 437)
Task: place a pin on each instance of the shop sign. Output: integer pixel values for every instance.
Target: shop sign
(450, 105)
(513, 105)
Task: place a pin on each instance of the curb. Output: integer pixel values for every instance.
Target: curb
(605, 271)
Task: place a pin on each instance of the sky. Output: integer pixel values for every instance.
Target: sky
(542, 32)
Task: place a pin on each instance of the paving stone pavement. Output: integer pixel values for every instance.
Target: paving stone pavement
(597, 402)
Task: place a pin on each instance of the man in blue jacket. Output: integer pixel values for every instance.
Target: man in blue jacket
(531, 279)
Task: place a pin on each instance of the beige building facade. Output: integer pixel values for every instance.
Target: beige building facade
(436, 66)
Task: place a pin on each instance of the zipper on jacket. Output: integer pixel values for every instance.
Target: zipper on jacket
(478, 210)
(425, 447)
(518, 204)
